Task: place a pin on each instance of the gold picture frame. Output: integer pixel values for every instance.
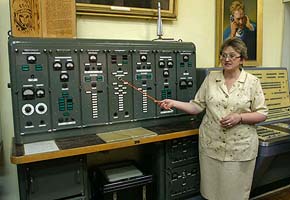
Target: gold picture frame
(126, 8)
(253, 39)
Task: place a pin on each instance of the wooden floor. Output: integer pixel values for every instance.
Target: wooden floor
(280, 194)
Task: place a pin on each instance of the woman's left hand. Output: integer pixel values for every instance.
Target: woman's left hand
(230, 120)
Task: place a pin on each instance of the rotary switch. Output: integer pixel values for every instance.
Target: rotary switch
(27, 109)
(41, 108)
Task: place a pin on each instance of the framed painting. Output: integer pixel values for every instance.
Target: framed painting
(243, 19)
(128, 8)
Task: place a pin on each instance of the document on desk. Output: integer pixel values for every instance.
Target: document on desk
(40, 147)
(127, 134)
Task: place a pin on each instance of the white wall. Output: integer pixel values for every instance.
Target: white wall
(285, 60)
(195, 23)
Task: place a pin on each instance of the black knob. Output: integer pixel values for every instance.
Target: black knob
(28, 109)
(94, 84)
(64, 85)
(29, 123)
(41, 108)
(87, 68)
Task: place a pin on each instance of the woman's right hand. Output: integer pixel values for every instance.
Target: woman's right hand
(166, 104)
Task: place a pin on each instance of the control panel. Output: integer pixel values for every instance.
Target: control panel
(71, 87)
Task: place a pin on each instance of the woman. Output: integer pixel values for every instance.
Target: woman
(228, 141)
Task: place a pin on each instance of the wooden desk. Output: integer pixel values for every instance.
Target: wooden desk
(92, 143)
(73, 162)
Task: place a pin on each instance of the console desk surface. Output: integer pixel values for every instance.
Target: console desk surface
(86, 144)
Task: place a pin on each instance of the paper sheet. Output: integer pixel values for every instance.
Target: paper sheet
(126, 134)
(40, 147)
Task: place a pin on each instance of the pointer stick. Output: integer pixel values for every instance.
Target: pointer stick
(140, 90)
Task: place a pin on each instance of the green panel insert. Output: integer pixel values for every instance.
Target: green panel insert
(169, 94)
(25, 67)
(38, 67)
(88, 79)
(138, 77)
(69, 105)
(100, 78)
(61, 104)
(66, 114)
(64, 94)
(149, 76)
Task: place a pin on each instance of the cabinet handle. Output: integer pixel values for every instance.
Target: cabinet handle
(31, 187)
(78, 176)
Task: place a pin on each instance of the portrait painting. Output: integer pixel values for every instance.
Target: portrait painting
(242, 19)
(146, 9)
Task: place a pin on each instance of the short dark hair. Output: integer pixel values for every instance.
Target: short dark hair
(237, 44)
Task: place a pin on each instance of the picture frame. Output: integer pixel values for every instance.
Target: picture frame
(252, 35)
(127, 8)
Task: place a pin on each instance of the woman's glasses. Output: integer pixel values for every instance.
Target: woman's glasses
(224, 56)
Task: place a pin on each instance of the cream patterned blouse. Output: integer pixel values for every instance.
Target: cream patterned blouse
(238, 143)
